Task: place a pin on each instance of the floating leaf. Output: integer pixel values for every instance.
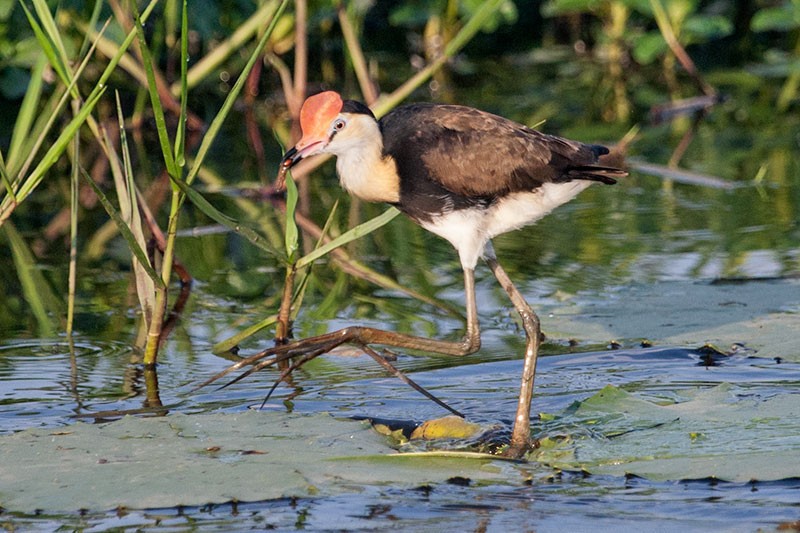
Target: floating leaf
(448, 427)
(697, 438)
(196, 459)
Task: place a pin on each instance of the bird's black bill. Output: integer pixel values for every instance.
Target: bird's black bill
(290, 158)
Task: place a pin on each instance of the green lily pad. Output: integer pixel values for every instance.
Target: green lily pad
(723, 432)
(199, 459)
(761, 315)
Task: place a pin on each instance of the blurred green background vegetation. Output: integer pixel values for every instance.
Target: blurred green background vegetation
(710, 86)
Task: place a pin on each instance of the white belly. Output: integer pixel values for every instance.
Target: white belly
(468, 230)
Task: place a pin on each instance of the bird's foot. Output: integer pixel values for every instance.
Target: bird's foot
(293, 355)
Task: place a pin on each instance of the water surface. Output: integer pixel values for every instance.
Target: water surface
(641, 261)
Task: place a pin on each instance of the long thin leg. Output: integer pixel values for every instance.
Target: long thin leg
(405, 379)
(311, 347)
(520, 435)
(369, 351)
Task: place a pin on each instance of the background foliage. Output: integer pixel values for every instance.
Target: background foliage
(601, 67)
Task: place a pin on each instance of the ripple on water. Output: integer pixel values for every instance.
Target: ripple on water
(44, 382)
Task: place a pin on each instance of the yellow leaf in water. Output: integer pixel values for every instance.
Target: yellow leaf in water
(395, 434)
(448, 427)
(383, 429)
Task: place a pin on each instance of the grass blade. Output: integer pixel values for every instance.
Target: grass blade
(61, 65)
(155, 100)
(213, 213)
(47, 44)
(232, 342)
(349, 236)
(291, 235)
(27, 114)
(35, 288)
(216, 124)
(6, 180)
(123, 229)
(180, 135)
(58, 147)
(32, 142)
(129, 205)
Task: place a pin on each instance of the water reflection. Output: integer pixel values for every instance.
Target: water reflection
(45, 383)
(41, 387)
(645, 230)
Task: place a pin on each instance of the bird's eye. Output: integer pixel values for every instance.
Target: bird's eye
(339, 124)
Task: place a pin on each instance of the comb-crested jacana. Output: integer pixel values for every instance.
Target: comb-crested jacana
(463, 174)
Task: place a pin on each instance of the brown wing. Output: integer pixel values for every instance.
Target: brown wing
(477, 154)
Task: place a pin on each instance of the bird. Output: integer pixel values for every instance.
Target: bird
(463, 174)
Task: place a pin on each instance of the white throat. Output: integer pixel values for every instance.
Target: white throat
(363, 170)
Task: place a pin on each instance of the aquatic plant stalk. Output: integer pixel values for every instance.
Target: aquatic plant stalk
(222, 51)
(359, 63)
(292, 239)
(230, 100)
(464, 35)
(792, 84)
(155, 322)
(174, 159)
(666, 28)
(73, 226)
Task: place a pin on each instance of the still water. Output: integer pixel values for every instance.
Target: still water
(597, 262)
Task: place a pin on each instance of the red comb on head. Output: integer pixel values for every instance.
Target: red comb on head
(318, 111)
